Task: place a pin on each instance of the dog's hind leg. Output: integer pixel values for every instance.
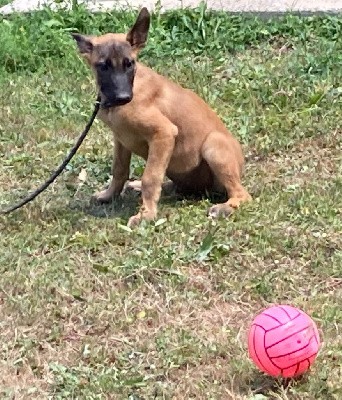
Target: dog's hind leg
(224, 156)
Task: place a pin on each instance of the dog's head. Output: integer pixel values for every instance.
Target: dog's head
(112, 58)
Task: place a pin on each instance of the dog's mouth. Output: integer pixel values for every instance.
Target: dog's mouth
(116, 102)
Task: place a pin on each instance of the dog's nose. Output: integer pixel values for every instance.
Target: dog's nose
(123, 98)
(119, 100)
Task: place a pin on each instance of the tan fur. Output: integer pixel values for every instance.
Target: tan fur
(177, 134)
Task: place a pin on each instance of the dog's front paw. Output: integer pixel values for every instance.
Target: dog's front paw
(134, 221)
(145, 215)
(104, 196)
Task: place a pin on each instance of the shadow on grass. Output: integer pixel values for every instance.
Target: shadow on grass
(268, 386)
(264, 384)
(128, 204)
(121, 207)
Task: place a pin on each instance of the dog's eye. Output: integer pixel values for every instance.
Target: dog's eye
(128, 63)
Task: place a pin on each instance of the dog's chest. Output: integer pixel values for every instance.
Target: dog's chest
(126, 132)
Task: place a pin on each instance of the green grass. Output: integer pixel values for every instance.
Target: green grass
(91, 310)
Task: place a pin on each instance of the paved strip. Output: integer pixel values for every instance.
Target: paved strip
(246, 6)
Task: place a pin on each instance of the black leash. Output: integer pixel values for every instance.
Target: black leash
(60, 169)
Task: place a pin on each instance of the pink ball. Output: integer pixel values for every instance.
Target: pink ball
(283, 341)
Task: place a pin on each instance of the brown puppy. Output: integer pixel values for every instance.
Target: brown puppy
(173, 129)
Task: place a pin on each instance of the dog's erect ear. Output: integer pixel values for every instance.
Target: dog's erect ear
(84, 43)
(137, 36)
